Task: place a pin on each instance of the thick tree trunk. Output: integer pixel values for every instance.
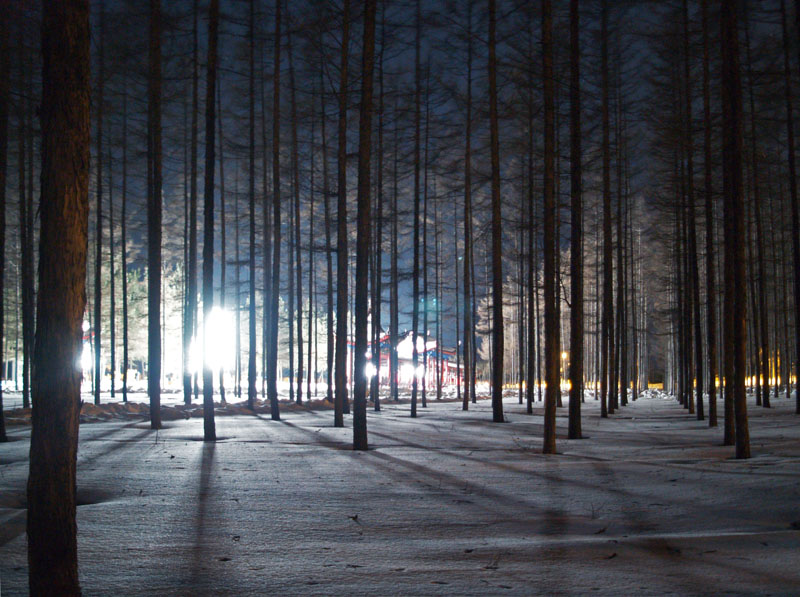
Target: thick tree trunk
(209, 426)
(735, 282)
(64, 114)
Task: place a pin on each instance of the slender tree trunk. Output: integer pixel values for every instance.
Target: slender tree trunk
(364, 229)
(112, 311)
(209, 427)
(377, 291)
(606, 343)
(272, 360)
(154, 218)
(328, 247)
(550, 291)
(5, 68)
(51, 527)
(795, 203)
(341, 232)
(735, 284)
(468, 325)
(576, 234)
(98, 238)
(497, 225)
(222, 231)
(394, 275)
(415, 224)
(762, 364)
(296, 200)
(190, 317)
(711, 292)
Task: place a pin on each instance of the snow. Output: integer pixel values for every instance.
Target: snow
(448, 503)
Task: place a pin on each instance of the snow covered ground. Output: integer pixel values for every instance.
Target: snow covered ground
(449, 503)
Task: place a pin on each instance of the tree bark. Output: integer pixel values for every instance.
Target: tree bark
(272, 359)
(364, 230)
(576, 233)
(497, 225)
(154, 217)
(340, 394)
(550, 298)
(5, 69)
(65, 121)
(711, 292)
(209, 426)
(735, 281)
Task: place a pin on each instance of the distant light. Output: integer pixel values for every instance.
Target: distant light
(369, 370)
(564, 356)
(86, 356)
(86, 326)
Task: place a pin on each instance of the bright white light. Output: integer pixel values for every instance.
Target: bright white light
(86, 357)
(420, 371)
(369, 370)
(407, 372)
(219, 329)
(86, 326)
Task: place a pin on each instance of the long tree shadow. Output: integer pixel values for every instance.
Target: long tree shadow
(199, 563)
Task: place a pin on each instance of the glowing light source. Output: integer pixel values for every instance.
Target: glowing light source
(219, 331)
(369, 370)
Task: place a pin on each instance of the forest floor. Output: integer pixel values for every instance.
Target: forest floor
(449, 503)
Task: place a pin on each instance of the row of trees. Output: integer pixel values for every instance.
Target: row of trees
(520, 104)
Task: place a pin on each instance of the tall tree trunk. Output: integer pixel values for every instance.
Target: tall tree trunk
(711, 291)
(251, 193)
(5, 68)
(576, 233)
(112, 311)
(377, 291)
(326, 194)
(341, 232)
(272, 360)
(497, 224)
(222, 231)
(209, 426)
(394, 276)
(154, 217)
(415, 272)
(693, 257)
(296, 200)
(735, 282)
(468, 325)
(550, 297)
(98, 238)
(606, 343)
(25, 250)
(51, 527)
(364, 229)
(795, 203)
(190, 317)
(762, 365)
